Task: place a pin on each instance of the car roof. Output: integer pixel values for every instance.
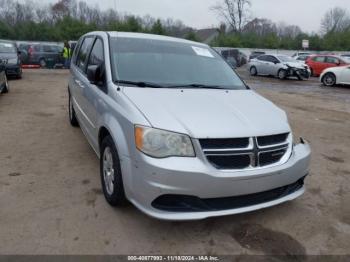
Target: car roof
(146, 36)
(324, 55)
(7, 41)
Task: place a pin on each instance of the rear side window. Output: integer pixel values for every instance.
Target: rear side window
(263, 58)
(37, 48)
(272, 59)
(332, 60)
(319, 59)
(46, 48)
(96, 56)
(83, 53)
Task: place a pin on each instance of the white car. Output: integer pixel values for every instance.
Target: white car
(280, 66)
(336, 76)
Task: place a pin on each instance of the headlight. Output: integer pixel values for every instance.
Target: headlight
(161, 144)
(12, 61)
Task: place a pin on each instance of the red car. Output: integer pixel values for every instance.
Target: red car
(318, 63)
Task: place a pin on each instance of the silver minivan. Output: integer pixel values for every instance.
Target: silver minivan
(178, 133)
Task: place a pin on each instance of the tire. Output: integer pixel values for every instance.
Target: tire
(312, 72)
(19, 76)
(329, 79)
(7, 86)
(282, 74)
(111, 174)
(42, 63)
(253, 71)
(71, 112)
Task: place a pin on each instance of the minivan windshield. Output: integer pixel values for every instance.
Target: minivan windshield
(7, 47)
(161, 63)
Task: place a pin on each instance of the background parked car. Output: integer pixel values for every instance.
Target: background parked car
(10, 56)
(318, 63)
(255, 54)
(4, 86)
(42, 54)
(301, 58)
(336, 76)
(281, 66)
(297, 54)
(234, 57)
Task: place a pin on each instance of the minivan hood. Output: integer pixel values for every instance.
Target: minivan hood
(208, 113)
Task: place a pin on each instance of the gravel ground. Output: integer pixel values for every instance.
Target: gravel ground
(51, 201)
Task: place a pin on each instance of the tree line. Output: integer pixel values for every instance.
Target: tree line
(263, 33)
(69, 19)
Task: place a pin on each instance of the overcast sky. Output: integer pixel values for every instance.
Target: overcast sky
(196, 13)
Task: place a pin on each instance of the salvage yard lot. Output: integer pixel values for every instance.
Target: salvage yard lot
(51, 201)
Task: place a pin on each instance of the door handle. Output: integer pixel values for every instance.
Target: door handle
(79, 83)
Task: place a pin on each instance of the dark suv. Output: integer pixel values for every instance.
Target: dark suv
(9, 55)
(41, 54)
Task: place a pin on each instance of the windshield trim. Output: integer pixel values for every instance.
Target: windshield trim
(116, 78)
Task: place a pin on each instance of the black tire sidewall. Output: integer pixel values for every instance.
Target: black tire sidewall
(118, 197)
(42, 63)
(72, 116)
(285, 74)
(329, 75)
(255, 71)
(6, 89)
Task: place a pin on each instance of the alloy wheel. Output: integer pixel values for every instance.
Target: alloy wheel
(108, 170)
(329, 80)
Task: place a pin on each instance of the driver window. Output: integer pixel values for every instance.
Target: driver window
(96, 56)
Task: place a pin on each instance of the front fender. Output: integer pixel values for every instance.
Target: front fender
(116, 131)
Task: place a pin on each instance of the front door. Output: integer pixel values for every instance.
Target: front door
(78, 85)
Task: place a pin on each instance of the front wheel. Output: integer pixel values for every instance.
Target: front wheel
(7, 87)
(111, 174)
(282, 74)
(253, 71)
(42, 63)
(329, 79)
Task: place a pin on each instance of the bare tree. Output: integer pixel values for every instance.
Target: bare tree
(335, 20)
(290, 31)
(234, 12)
(260, 26)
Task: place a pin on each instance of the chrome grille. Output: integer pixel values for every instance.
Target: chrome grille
(247, 153)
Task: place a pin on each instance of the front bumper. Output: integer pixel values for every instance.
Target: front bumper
(147, 179)
(13, 70)
(298, 72)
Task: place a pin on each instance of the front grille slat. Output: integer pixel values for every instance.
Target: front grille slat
(230, 162)
(243, 153)
(272, 140)
(224, 143)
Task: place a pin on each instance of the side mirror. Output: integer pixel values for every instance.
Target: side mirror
(95, 74)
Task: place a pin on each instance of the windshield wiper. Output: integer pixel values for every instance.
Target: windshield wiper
(140, 84)
(197, 86)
